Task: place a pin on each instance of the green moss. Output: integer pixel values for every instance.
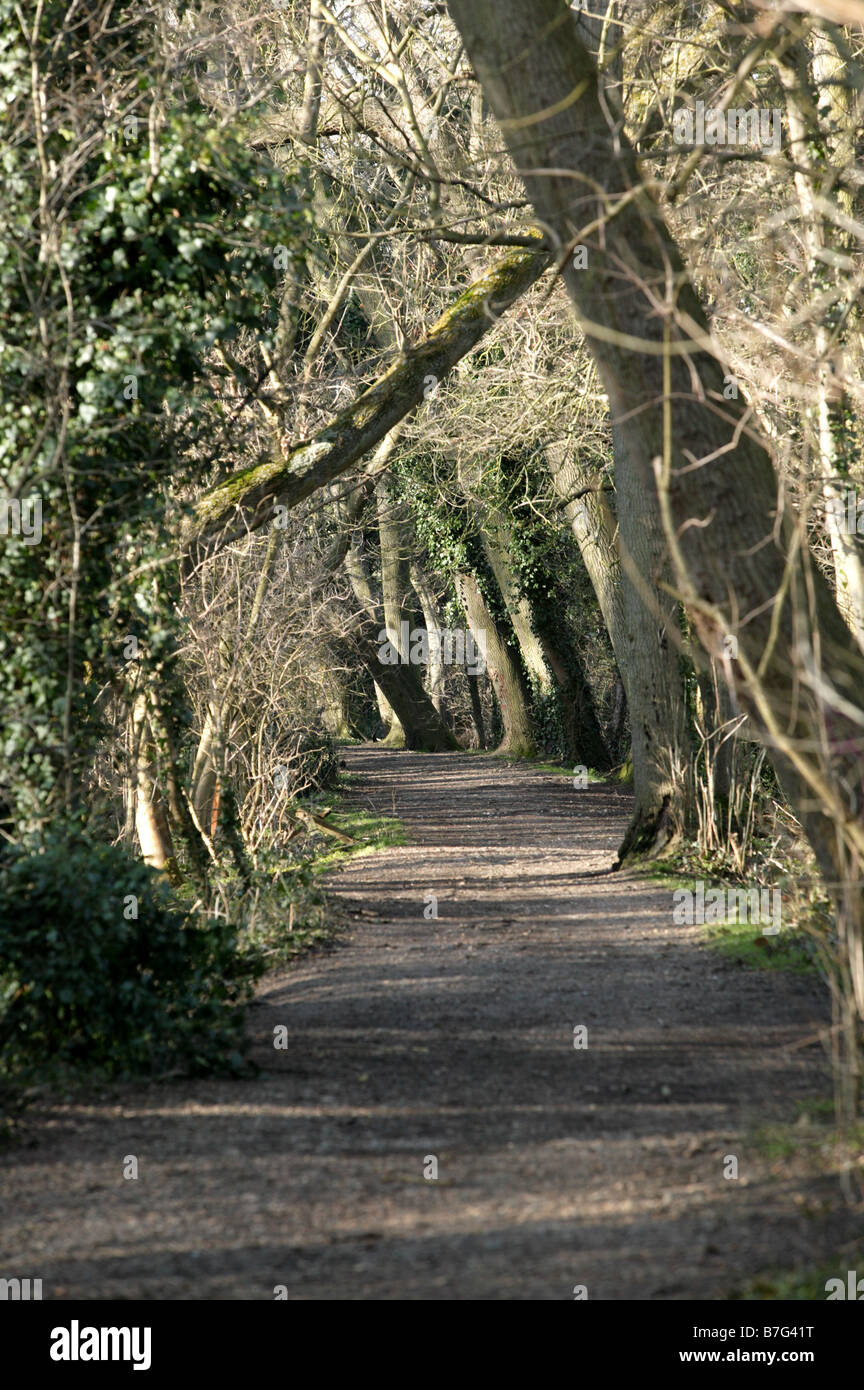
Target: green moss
(565, 770)
(228, 494)
(403, 373)
(472, 301)
(742, 942)
(371, 834)
(806, 1284)
(746, 944)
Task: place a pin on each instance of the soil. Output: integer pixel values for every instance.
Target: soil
(451, 1038)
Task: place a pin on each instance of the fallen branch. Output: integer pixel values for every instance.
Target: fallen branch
(313, 822)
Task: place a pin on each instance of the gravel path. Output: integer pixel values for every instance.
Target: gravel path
(452, 1039)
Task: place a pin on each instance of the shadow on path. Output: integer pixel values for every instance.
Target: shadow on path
(452, 1038)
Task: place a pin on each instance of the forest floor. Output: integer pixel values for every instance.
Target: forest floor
(453, 1039)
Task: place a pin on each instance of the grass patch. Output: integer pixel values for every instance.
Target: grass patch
(793, 948)
(370, 833)
(745, 944)
(805, 1285)
(286, 912)
(565, 770)
(813, 1134)
(561, 769)
(671, 875)
(814, 1144)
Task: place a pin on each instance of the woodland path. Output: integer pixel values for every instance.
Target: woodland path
(454, 1038)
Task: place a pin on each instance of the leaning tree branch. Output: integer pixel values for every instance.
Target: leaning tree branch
(246, 500)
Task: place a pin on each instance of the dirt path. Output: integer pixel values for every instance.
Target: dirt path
(453, 1038)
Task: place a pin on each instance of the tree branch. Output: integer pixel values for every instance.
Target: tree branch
(247, 499)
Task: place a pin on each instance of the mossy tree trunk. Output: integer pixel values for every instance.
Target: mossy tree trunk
(248, 498)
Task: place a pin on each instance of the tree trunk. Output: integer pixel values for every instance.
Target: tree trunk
(618, 725)
(432, 618)
(586, 507)
(355, 568)
(553, 667)
(583, 735)
(204, 774)
(655, 689)
(423, 725)
(334, 713)
(193, 835)
(151, 821)
(496, 538)
(394, 584)
(831, 405)
(642, 624)
(503, 672)
(399, 684)
(476, 707)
